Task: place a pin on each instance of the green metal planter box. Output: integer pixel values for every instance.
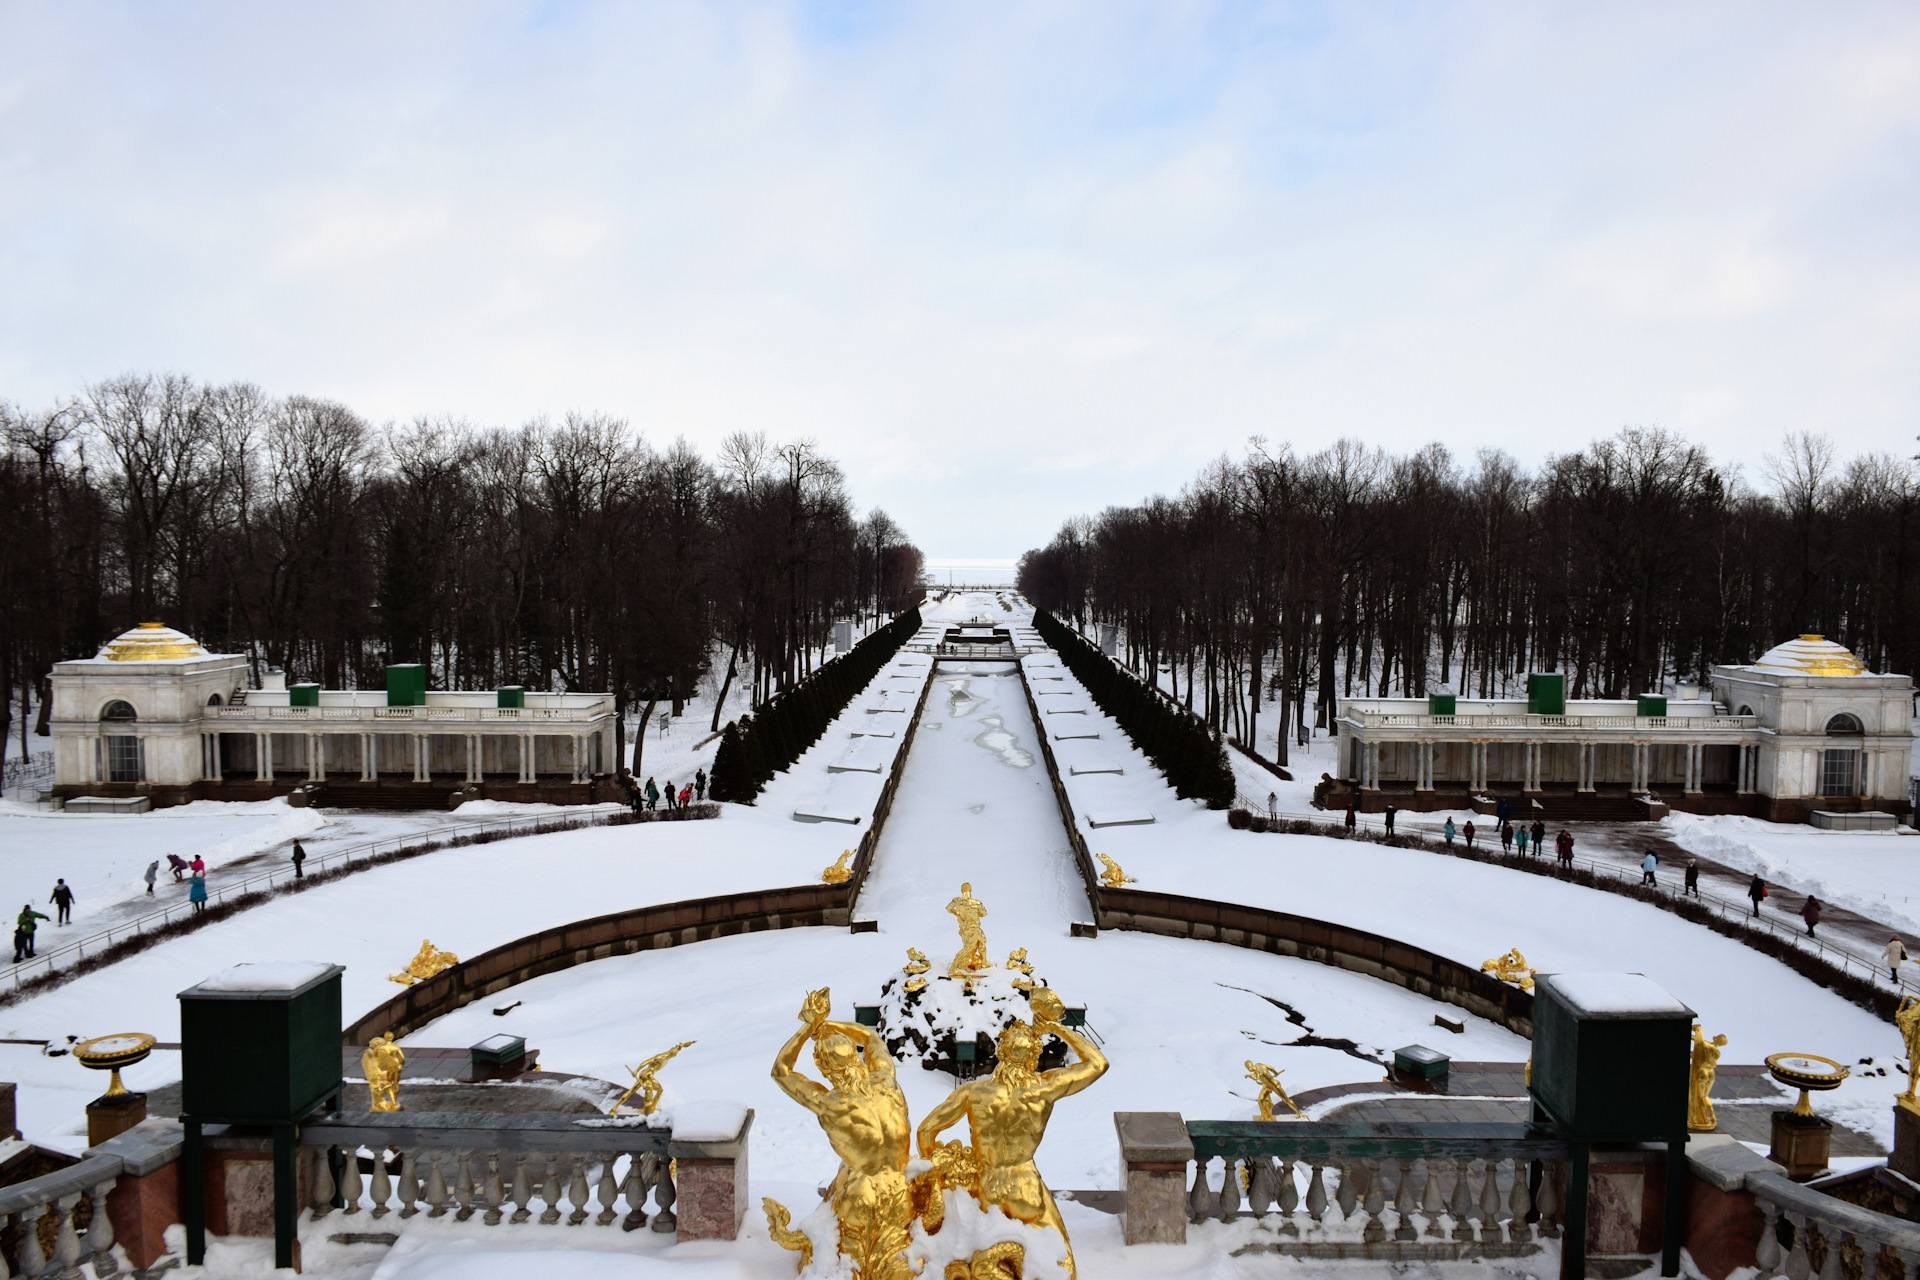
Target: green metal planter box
(407, 685)
(1611, 1052)
(1650, 704)
(260, 1043)
(1421, 1062)
(303, 695)
(510, 695)
(498, 1051)
(1441, 704)
(1546, 694)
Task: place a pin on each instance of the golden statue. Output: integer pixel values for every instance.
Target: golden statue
(644, 1083)
(778, 1232)
(1113, 877)
(1003, 1261)
(1268, 1078)
(1008, 1113)
(1907, 1018)
(382, 1061)
(839, 872)
(1706, 1062)
(429, 962)
(916, 969)
(1511, 967)
(972, 956)
(864, 1116)
(1017, 961)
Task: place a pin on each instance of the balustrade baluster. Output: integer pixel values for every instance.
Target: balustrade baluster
(437, 1197)
(1906, 1262)
(382, 1184)
(5, 1273)
(350, 1181)
(1348, 1193)
(463, 1184)
(639, 1180)
(495, 1192)
(1836, 1241)
(1199, 1198)
(1289, 1199)
(1490, 1202)
(99, 1234)
(1550, 1201)
(664, 1195)
(1375, 1229)
(522, 1188)
(608, 1190)
(1461, 1202)
(323, 1185)
(1798, 1267)
(409, 1184)
(1519, 1204)
(1766, 1250)
(1317, 1193)
(550, 1191)
(32, 1260)
(1260, 1190)
(1431, 1205)
(1403, 1200)
(66, 1242)
(577, 1192)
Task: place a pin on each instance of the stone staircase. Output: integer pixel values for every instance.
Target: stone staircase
(382, 795)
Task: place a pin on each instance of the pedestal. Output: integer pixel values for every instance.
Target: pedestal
(114, 1114)
(1154, 1153)
(1801, 1144)
(1905, 1159)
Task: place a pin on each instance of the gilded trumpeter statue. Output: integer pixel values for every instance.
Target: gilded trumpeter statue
(381, 1062)
(972, 956)
(1907, 1018)
(644, 1082)
(1268, 1078)
(864, 1116)
(1700, 1074)
(1008, 1111)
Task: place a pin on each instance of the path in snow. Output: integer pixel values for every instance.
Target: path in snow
(974, 804)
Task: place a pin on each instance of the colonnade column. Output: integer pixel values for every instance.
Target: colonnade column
(1423, 766)
(316, 758)
(1639, 766)
(526, 757)
(1693, 768)
(1531, 782)
(369, 757)
(1586, 767)
(263, 757)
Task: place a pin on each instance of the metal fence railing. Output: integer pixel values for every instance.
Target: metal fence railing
(1740, 914)
(68, 954)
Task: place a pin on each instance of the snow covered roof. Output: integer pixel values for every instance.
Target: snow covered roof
(1811, 656)
(152, 642)
(1631, 996)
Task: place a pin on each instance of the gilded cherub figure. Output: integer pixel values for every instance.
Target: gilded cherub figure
(429, 961)
(1113, 877)
(1511, 967)
(382, 1061)
(839, 872)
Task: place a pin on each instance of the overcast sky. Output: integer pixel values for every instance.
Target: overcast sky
(1007, 263)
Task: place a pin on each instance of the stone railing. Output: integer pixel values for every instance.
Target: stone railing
(434, 715)
(1789, 1229)
(1637, 724)
(63, 1220)
(1328, 1190)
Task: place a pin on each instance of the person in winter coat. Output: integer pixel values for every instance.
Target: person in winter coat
(1539, 836)
(197, 893)
(1895, 953)
(1447, 831)
(1352, 819)
(177, 865)
(62, 899)
(653, 794)
(1520, 838)
(1810, 912)
(1647, 865)
(1503, 811)
(1468, 832)
(299, 860)
(153, 869)
(198, 866)
(1563, 845)
(1388, 813)
(1506, 837)
(1693, 878)
(700, 785)
(686, 796)
(23, 931)
(1756, 891)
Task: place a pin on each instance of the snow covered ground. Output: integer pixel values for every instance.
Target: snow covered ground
(1876, 873)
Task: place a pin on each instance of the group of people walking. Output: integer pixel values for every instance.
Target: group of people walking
(648, 797)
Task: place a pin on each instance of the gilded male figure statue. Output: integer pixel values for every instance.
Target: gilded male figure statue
(972, 956)
(864, 1116)
(1907, 1018)
(1008, 1113)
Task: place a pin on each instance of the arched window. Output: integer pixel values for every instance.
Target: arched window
(1844, 723)
(120, 751)
(1745, 710)
(1840, 766)
(213, 699)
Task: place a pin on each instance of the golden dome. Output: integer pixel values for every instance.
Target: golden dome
(152, 642)
(1811, 656)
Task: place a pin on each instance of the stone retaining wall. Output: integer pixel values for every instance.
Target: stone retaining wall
(619, 934)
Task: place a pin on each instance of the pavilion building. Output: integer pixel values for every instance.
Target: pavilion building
(1806, 728)
(154, 714)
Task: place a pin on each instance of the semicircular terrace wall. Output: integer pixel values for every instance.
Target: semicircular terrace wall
(672, 924)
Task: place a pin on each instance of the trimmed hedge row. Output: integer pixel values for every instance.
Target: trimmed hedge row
(753, 749)
(1194, 760)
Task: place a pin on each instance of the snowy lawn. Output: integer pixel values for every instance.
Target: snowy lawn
(1876, 873)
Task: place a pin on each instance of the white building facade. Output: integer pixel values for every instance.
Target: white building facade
(155, 714)
(1805, 728)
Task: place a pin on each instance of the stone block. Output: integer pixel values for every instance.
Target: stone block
(1154, 1152)
(1801, 1144)
(1905, 1159)
(1723, 1228)
(710, 1191)
(110, 1116)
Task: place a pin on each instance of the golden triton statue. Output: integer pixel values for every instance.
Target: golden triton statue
(1706, 1061)
(972, 956)
(1113, 877)
(1907, 1018)
(864, 1116)
(1268, 1078)
(430, 961)
(839, 872)
(1511, 967)
(382, 1062)
(782, 1235)
(644, 1083)
(1008, 1113)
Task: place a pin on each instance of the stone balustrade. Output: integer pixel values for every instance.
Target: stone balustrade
(1747, 1213)
(63, 1220)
